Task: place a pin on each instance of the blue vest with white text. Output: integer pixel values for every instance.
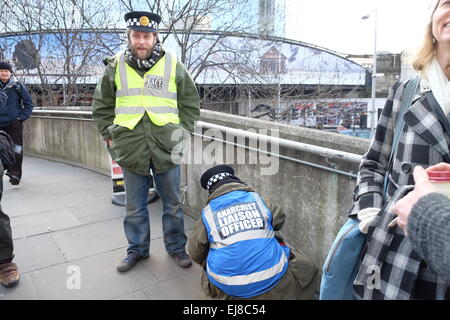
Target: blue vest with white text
(245, 259)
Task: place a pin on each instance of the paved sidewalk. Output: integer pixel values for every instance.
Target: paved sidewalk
(66, 229)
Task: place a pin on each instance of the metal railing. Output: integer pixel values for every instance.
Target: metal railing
(320, 151)
(61, 114)
(326, 153)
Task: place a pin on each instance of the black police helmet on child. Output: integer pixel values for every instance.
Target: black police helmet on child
(215, 174)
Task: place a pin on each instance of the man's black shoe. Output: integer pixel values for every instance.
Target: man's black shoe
(182, 259)
(130, 261)
(13, 179)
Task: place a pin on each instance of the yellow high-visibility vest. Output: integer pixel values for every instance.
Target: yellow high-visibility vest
(155, 94)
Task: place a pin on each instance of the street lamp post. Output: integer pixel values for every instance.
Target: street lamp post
(374, 71)
(279, 83)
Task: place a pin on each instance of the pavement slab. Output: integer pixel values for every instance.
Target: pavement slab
(37, 252)
(45, 222)
(24, 290)
(91, 278)
(69, 238)
(185, 287)
(138, 295)
(91, 239)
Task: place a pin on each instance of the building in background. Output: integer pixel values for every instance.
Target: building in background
(235, 50)
(244, 74)
(258, 17)
(272, 18)
(390, 68)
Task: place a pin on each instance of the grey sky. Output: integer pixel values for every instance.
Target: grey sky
(337, 24)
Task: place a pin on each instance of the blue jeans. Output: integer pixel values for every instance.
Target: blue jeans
(137, 223)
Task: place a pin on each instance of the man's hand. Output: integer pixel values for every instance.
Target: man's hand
(422, 187)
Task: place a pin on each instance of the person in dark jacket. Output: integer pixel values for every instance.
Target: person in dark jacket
(17, 109)
(3, 98)
(9, 274)
(238, 245)
(424, 215)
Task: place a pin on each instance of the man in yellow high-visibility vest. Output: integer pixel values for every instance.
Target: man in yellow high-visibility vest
(143, 102)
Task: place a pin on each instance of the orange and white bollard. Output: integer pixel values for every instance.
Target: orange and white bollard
(118, 195)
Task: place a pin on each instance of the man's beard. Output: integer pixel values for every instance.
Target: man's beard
(138, 54)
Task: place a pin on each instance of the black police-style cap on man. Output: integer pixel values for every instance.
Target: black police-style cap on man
(142, 21)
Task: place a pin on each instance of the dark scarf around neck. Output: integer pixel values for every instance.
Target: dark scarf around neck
(146, 64)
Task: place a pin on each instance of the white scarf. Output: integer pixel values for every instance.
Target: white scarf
(434, 79)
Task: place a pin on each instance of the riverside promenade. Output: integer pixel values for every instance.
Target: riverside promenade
(69, 238)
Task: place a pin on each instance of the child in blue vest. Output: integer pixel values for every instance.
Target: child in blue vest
(235, 242)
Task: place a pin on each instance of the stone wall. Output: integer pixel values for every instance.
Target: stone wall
(314, 199)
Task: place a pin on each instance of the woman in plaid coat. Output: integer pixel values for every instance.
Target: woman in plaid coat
(391, 269)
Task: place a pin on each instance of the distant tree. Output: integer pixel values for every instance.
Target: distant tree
(55, 45)
(26, 55)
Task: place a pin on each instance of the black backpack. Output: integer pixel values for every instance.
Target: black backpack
(7, 154)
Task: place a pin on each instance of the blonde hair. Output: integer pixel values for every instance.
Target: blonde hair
(426, 51)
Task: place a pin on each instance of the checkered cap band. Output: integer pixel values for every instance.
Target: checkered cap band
(216, 178)
(134, 22)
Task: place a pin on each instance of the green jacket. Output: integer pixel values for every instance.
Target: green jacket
(133, 149)
(300, 280)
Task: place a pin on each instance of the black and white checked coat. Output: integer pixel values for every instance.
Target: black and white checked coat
(424, 142)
